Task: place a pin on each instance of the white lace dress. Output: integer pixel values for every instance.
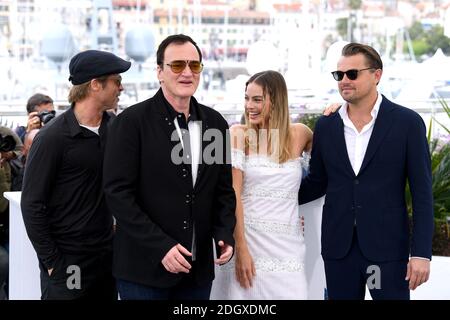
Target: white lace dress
(272, 229)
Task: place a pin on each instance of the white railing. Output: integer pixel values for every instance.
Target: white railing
(14, 113)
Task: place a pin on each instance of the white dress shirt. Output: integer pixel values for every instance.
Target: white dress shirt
(355, 141)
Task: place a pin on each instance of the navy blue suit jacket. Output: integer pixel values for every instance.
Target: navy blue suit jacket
(375, 198)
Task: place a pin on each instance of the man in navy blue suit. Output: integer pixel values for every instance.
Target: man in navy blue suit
(362, 157)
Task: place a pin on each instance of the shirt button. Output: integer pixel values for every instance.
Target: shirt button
(356, 181)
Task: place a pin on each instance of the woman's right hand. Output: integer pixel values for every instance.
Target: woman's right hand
(331, 108)
(245, 267)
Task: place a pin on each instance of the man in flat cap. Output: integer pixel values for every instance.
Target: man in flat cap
(63, 205)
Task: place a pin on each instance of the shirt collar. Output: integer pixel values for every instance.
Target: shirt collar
(74, 126)
(193, 113)
(72, 121)
(374, 113)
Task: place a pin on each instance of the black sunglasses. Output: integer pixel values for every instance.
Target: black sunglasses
(178, 66)
(352, 74)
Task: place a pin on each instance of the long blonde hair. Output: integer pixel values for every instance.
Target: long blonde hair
(273, 84)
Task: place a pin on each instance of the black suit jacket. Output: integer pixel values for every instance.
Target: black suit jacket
(153, 199)
(375, 198)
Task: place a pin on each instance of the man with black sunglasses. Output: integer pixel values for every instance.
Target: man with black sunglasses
(170, 203)
(362, 157)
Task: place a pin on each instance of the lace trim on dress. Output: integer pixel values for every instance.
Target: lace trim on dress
(270, 265)
(273, 227)
(262, 192)
(237, 159)
(304, 160)
(264, 162)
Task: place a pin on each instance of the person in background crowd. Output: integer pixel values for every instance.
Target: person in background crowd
(10, 149)
(39, 107)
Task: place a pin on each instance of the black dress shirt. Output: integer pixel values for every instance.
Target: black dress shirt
(62, 201)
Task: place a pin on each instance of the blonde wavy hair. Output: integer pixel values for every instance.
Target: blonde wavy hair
(278, 131)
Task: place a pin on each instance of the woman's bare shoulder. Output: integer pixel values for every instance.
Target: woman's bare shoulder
(238, 126)
(301, 130)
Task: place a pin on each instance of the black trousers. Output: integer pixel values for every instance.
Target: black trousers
(80, 277)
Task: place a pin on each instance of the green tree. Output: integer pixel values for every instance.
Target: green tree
(420, 48)
(416, 31)
(436, 39)
(355, 4)
(341, 27)
(428, 41)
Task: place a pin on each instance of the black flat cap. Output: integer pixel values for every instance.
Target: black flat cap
(91, 64)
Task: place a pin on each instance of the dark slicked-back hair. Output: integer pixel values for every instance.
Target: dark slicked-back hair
(36, 100)
(371, 55)
(177, 39)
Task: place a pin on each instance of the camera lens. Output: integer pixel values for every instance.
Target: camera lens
(46, 116)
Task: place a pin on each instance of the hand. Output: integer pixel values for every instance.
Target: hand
(226, 251)
(302, 222)
(6, 156)
(174, 261)
(245, 268)
(34, 122)
(50, 271)
(331, 108)
(418, 272)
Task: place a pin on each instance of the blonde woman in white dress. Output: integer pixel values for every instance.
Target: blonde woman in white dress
(267, 172)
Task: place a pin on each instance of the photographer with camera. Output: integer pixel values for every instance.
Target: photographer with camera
(40, 111)
(63, 204)
(10, 148)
